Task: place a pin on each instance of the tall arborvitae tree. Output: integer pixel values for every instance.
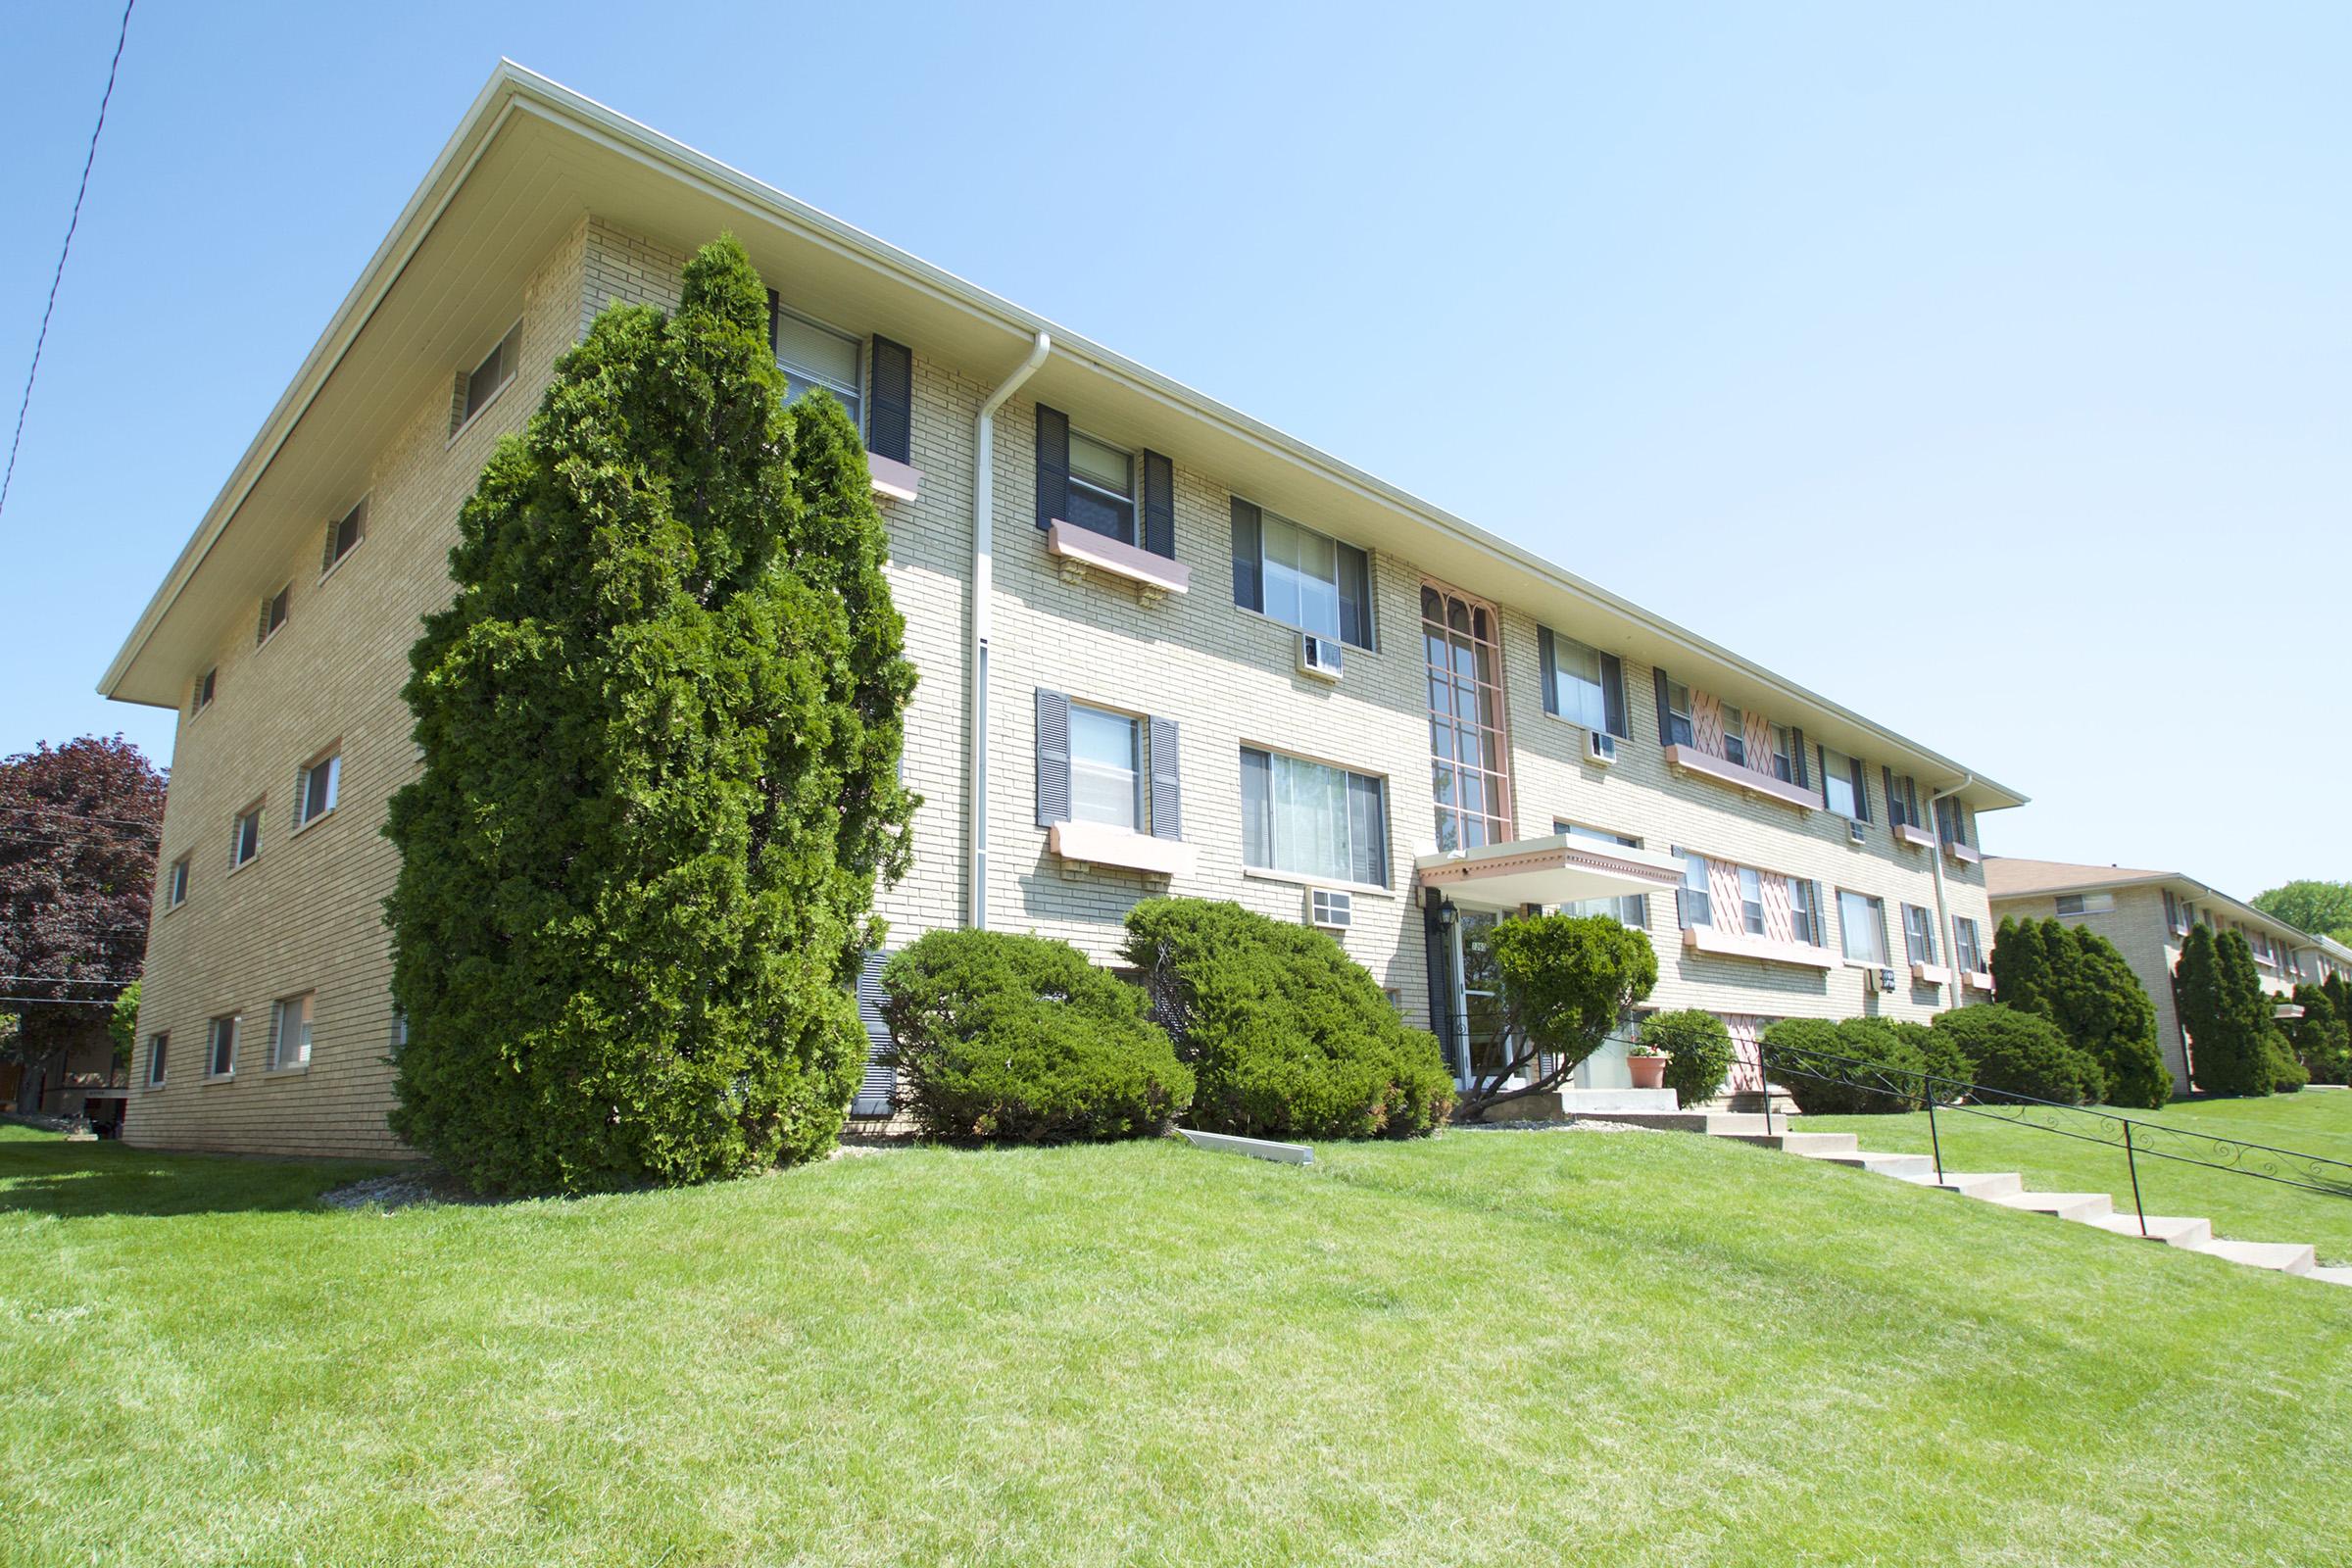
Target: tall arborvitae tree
(2106, 1012)
(2226, 1015)
(661, 725)
(2021, 965)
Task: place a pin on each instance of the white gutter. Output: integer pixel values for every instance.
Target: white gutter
(984, 483)
(1943, 907)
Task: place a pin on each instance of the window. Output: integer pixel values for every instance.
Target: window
(1862, 920)
(1951, 822)
(1918, 934)
(1804, 914)
(315, 788)
(290, 1032)
(2086, 903)
(490, 376)
(273, 614)
(2176, 918)
(1632, 908)
(1102, 488)
(1783, 756)
(1468, 757)
(1902, 799)
(1312, 820)
(221, 1061)
(175, 884)
(1587, 686)
(1734, 735)
(1751, 902)
(1105, 774)
(245, 837)
(1678, 713)
(343, 535)
(1843, 788)
(812, 356)
(1968, 946)
(207, 684)
(158, 1048)
(400, 1032)
(1692, 905)
(1298, 577)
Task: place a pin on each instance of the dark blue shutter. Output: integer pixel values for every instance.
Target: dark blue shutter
(1367, 831)
(1545, 676)
(1052, 465)
(889, 406)
(1665, 718)
(1612, 696)
(1796, 757)
(1168, 792)
(1052, 759)
(1355, 596)
(1248, 551)
(877, 1092)
(1159, 506)
(775, 307)
(1861, 787)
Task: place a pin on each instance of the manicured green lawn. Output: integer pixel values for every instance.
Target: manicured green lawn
(1523, 1348)
(2240, 1206)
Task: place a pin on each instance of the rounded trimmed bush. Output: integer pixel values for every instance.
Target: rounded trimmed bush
(1017, 1039)
(1942, 1056)
(1697, 1049)
(2287, 1072)
(1288, 1035)
(1848, 1088)
(2022, 1053)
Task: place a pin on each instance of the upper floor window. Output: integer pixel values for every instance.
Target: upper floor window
(1312, 820)
(343, 535)
(1902, 799)
(2176, 916)
(1783, 755)
(1102, 488)
(1692, 904)
(1678, 715)
(1804, 914)
(490, 377)
(1298, 577)
(273, 614)
(200, 697)
(245, 837)
(1969, 945)
(1751, 900)
(1469, 758)
(175, 884)
(1862, 923)
(314, 787)
(2086, 903)
(1632, 908)
(1918, 934)
(1842, 786)
(1951, 822)
(812, 356)
(1584, 685)
(1105, 769)
(1734, 735)
(290, 1032)
(1100, 766)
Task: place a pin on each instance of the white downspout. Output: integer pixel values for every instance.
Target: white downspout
(984, 480)
(1943, 907)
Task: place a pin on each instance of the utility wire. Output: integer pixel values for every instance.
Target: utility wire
(82, 817)
(62, 251)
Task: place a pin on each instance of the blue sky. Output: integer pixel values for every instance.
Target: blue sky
(1982, 368)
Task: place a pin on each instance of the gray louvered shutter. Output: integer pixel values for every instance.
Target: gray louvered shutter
(1367, 831)
(877, 1092)
(1796, 757)
(1861, 787)
(1052, 465)
(1355, 596)
(1821, 917)
(890, 406)
(1167, 791)
(775, 307)
(261, 627)
(326, 553)
(1665, 719)
(1052, 759)
(1249, 552)
(1159, 506)
(1612, 696)
(1551, 692)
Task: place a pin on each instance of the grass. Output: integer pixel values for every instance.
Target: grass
(2240, 1206)
(1637, 1348)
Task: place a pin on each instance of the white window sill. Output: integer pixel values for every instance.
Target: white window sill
(308, 822)
(1080, 550)
(201, 712)
(473, 419)
(1297, 879)
(228, 1077)
(1739, 775)
(1931, 975)
(290, 1070)
(336, 565)
(272, 637)
(242, 865)
(1100, 843)
(1717, 943)
(1963, 854)
(1919, 838)
(901, 481)
(1979, 980)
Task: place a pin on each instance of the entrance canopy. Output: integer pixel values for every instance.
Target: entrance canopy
(1558, 870)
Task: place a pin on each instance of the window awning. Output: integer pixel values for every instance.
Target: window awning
(1558, 870)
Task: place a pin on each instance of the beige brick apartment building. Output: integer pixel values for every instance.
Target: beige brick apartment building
(1163, 648)
(2146, 914)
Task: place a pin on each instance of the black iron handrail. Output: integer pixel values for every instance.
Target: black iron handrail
(2290, 1168)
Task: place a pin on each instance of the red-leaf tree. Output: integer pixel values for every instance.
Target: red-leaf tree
(79, 824)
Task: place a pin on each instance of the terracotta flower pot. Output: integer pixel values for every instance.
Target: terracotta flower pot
(1649, 1072)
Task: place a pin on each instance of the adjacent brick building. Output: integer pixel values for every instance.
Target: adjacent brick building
(1163, 647)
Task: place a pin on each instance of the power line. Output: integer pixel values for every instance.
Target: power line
(62, 251)
(83, 816)
(52, 1002)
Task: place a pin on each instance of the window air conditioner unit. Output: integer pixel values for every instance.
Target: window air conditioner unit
(1319, 657)
(1886, 979)
(1330, 908)
(1854, 829)
(1600, 746)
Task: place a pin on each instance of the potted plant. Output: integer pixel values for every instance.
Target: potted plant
(1647, 1064)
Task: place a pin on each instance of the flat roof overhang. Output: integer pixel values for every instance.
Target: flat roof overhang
(1560, 868)
(531, 159)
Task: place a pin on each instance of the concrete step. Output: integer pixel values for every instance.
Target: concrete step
(1982, 1184)
(2334, 1276)
(2287, 1258)
(1718, 1123)
(1565, 1104)
(1908, 1168)
(2173, 1229)
(1816, 1143)
(2066, 1205)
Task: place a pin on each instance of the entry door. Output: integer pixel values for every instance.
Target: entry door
(1479, 993)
